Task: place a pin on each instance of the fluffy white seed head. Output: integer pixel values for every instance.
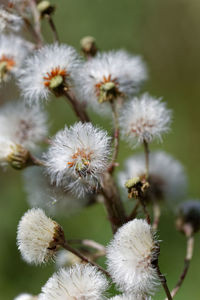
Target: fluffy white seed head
(130, 297)
(51, 67)
(166, 175)
(65, 258)
(9, 21)
(144, 119)
(117, 70)
(13, 50)
(7, 148)
(38, 236)
(81, 282)
(188, 217)
(78, 157)
(26, 297)
(23, 125)
(129, 258)
(54, 200)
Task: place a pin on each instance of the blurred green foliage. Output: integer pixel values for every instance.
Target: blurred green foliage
(166, 34)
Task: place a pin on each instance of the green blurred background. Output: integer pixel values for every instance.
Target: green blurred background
(166, 33)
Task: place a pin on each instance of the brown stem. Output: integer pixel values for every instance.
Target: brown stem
(164, 283)
(156, 213)
(146, 151)
(112, 202)
(146, 213)
(133, 214)
(36, 18)
(34, 161)
(53, 27)
(32, 31)
(88, 243)
(116, 136)
(78, 107)
(84, 258)
(189, 254)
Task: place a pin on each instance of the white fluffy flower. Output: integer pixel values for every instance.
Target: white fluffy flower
(166, 175)
(110, 75)
(130, 297)
(9, 21)
(79, 282)
(7, 148)
(144, 119)
(65, 258)
(77, 158)
(26, 297)
(38, 236)
(50, 68)
(13, 50)
(129, 258)
(55, 200)
(23, 125)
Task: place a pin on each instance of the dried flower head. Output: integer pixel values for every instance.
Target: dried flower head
(50, 69)
(13, 50)
(54, 200)
(188, 217)
(144, 119)
(26, 297)
(78, 282)
(167, 176)
(7, 148)
(38, 237)
(77, 158)
(9, 21)
(109, 76)
(130, 256)
(23, 125)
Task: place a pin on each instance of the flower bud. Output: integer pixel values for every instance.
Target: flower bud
(88, 46)
(45, 8)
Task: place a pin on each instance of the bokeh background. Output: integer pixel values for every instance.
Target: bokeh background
(167, 35)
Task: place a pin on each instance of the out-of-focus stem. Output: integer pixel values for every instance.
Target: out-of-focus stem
(78, 107)
(112, 202)
(88, 243)
(146, 213)
(84, 258)
(116, 136)
(156, 214)
(134, 211)
(146, 151)
(188, 257)
(36, 18)
(53, 27)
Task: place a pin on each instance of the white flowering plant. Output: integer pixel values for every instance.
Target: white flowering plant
(77, 166)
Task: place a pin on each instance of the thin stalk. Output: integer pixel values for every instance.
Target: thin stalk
(78, 107)
(113, 203)
(32, 31)
(188, 257)
(88, 243)
(53, 28)
(146, 213)
(164, 283)
(34, 161)
(156, 214)
(84, 258)
(133, 214)
(116, 135)
(146, 151)
(36, 18)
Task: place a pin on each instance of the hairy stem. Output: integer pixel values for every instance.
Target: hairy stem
(53, 28)
(116, 136)
(188, 257)
(164, 283)
(84, 258)
(113, 204)
(78, 107)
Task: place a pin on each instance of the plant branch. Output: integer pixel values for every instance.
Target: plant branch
(88, 243)
(156, 214)
(53, 27)
(146, 151)
(116, 136)
(188, 257)
(84, 258)
(164, 283)
(133, 214)
(78, 107)
(36, 18)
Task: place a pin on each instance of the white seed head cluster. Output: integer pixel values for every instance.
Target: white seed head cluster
(49, 64)
(23, 125)
(13, 50)
(81, 282)
(129, 258)
(144, 119)
(77, 158)
(130, 297)
(7, 148)
(9, 21)
(54, 200)
(166, 173)
(125, 71)
(35, 236)
(26, 297)
(65, 258)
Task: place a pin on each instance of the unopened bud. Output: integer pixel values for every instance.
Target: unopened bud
(88, 46)
(45, 8)
(19, 157)
(188, 217)
(136, 187)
